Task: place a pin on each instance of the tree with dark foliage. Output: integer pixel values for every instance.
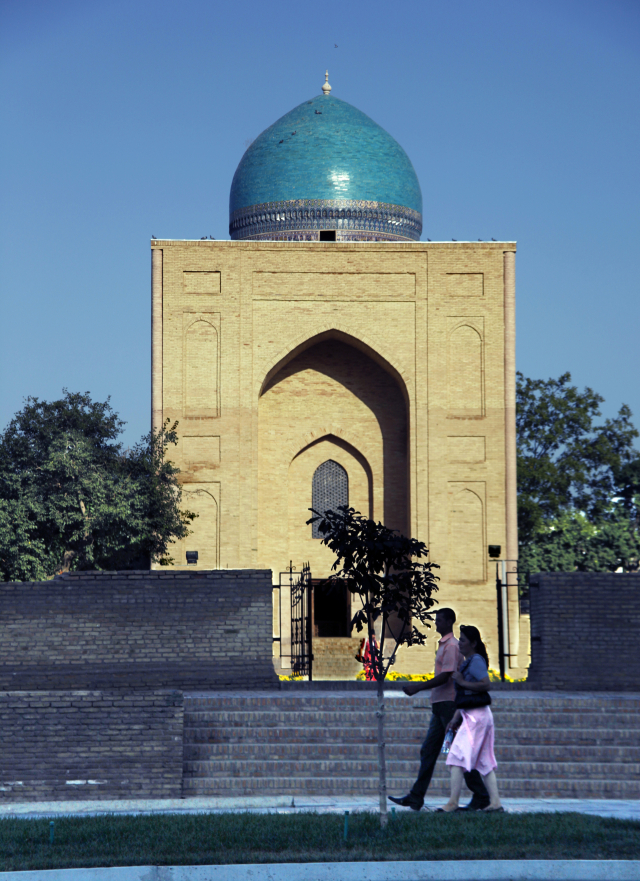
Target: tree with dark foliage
(385, 571)
(72, 498)
(578, 480)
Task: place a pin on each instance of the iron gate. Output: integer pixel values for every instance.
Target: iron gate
(295, 619)
(301, 599)
(506, 579)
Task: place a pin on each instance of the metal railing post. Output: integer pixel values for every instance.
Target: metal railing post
(500, 621)
(309, 617)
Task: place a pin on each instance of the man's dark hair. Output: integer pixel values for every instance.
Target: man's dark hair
(449, 614)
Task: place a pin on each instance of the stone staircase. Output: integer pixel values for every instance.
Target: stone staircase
(324, 743)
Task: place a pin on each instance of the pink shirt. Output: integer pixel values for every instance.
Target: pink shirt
(447, 661)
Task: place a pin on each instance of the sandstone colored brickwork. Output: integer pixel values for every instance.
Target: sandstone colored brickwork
(598, 615)
(135, 630)
(393, 359)
(334, 658)
(61, 745)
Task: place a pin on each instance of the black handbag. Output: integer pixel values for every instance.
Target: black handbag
(473, 701)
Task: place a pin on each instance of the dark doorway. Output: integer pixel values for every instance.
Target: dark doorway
(327, 235)
(331, 609)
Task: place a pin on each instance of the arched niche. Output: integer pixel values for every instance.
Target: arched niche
(467, 553)
(300, 473)
(329, 383)
(201, 357)
(466, 374)
(367, 347)
(204, 536)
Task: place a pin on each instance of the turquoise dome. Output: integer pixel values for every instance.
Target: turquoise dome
(325, 166)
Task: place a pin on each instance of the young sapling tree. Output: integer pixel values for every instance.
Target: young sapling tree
(393, 583)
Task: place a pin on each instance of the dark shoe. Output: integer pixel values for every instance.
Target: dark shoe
(475, 806)
(407, 801)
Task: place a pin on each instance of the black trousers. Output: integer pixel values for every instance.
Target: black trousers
(441, 714)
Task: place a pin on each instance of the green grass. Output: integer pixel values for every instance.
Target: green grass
(201, 839)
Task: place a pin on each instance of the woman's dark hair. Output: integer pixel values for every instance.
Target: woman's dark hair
(473, 635)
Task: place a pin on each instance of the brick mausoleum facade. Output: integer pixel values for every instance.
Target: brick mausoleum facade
(325, 355)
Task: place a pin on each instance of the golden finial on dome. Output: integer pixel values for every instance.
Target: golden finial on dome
(326, 88)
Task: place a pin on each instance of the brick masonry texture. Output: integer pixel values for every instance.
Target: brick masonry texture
(389, 359)
(135, 630)
(596, 614)
(90, 744)
(303, 743)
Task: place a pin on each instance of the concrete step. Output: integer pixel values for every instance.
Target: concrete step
(567, 737)
(338, 701)
(523, 770)
(313, 743)
(413, 718)
(207, 733)
(348, 700)
(553, 788)
(400, 751)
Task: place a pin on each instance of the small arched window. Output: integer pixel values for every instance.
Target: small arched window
(330, 489)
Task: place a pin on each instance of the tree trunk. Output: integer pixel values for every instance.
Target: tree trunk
(67, 560)
(382, 760)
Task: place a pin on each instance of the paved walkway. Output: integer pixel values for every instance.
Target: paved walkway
(284, 804)
(387, 870)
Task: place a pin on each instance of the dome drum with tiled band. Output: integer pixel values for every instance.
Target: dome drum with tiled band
(325, 172)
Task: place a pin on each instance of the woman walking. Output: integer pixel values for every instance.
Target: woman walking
(472, 746)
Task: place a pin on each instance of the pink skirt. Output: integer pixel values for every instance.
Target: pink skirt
(472, 746)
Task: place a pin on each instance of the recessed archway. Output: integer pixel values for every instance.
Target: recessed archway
(334, 332)
(328, 381)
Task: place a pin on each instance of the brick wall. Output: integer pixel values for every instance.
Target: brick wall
(98, 745)
(334, 657)
(584, 627)
(133, 630)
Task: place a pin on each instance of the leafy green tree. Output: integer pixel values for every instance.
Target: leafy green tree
(627, 478)
(385, 571)
(72, 498)
(578, 480)
(571, 543)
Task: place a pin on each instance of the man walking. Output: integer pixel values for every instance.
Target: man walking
(442, 709)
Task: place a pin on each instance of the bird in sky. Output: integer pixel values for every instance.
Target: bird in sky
(454, 240)
(203, 238)
(493, 240)
(428, 240)
(335, 45)
(212, 237)
(153, 237)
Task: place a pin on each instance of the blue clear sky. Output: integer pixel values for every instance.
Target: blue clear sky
(123, 120)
